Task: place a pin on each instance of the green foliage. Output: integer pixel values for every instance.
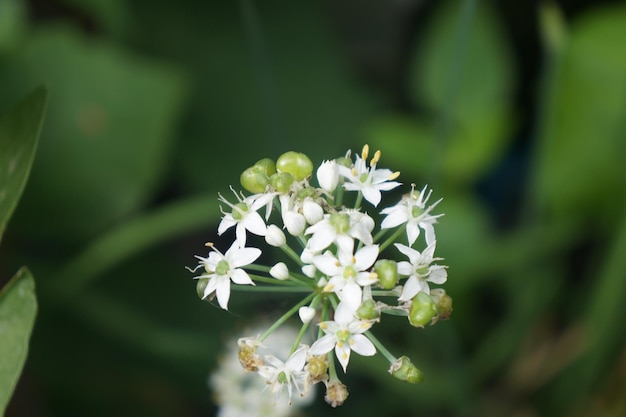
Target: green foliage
(18, 307)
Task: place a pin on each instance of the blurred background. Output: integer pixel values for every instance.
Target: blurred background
(514, 112)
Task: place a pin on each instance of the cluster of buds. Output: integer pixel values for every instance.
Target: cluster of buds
(336, 257)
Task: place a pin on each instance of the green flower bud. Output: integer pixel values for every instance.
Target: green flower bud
(387, 271)
(200, 286)
(254, 180)
(295, 163)
(281, 181)
(367, 310)
(404, 370)
(423, 309)
(266, 165)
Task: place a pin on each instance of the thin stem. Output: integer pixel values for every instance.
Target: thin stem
(267, 288)
(391, 238)
(293, 255)
(286, 316)
(273, 281)
(305, 326)
(359, 200)
(381, 347)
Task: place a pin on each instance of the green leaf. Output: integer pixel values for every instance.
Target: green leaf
(582, 148)
(19, 134)
(18, 307)
(108, 132)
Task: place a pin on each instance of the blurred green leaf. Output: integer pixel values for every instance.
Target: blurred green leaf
(112, 15)
(109, 132)
(18, 307)
(467, 81)
(12, 23)
(19, 134)
(580, 166)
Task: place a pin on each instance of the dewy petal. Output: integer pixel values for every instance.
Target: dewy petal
(342, 351)
(362, 345)
(323, 345)
(223, 292)
(239, 276)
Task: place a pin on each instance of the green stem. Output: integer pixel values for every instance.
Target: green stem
(305, 326)
(380, 347)
(286, 316)
(272, 281)
(391, 238)
(267, 288)
(293, 255)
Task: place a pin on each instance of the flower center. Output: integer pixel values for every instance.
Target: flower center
(343, 336)
(349, 272)
(239, 210)
(282, 377)
(341, 222)
(222, 267)
(416, 211)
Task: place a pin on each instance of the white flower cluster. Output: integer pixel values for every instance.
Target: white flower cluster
(336, 256)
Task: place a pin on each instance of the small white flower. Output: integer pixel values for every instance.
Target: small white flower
(312, 211)
(419, 270)
(306, 314)
(340, 228)
(412, 210)
(348, 273)
(274, 236)
(328, 175)
(221, 269)
(369, 181)
(280, 271)
(244, 216)
(344, 335)
(291, 373)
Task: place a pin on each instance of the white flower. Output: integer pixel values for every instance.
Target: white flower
(221, 269)
(340, 228)
(344, 335)
(369, 181)
(328, 175)
(419, 270)
(291, 374)
(274, 236)
(293, 220)
(244, 216)
(280, 271)
(348, 273)
(412, 211)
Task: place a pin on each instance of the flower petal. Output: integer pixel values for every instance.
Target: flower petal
(223, 291)
(362, 345)
(323, 345)
(342, 350)
(241, 277)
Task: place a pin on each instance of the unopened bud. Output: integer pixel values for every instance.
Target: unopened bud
(306, 314)
(387, 271)
(368, 311)
(336, 393)
(281, 181)
(280, 271)
(312, 211)
(317, 367)
(275, 236)
(404, 370)
(328, 176)
(423, 309)
(294, 222)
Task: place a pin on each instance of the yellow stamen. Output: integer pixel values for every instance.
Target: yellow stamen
(209, 244)
(329, 288)
(394, 175)
(365, 151)
(375, 159)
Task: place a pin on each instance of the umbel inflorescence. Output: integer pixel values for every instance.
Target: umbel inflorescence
(348, 270)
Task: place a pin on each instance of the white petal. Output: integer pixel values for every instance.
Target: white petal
(297, 359)
(429, 231)
(410, 253)
(242, 256)
(438, 274)
(365, 257)
(362, 345)
(321, 240)
(327, 264)
(223, 292)
(294, 222)
(395, 218)
(209, 288)
(405, 268)
(344, 314)
(412, 232)
(351, 295)
(323, 345)
(254, 223)
(280, 271)
(345, 243)
(342, 351)
(372, 195)
(226, 223)
(411, 288)
(239, 276)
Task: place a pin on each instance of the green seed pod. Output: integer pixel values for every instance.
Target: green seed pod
(367, 310)
(281, 181)
(254, 180)
(404, 370)
(387, 271)
(423, 309)
(266, 165)
(295, 163)
(444, 303)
